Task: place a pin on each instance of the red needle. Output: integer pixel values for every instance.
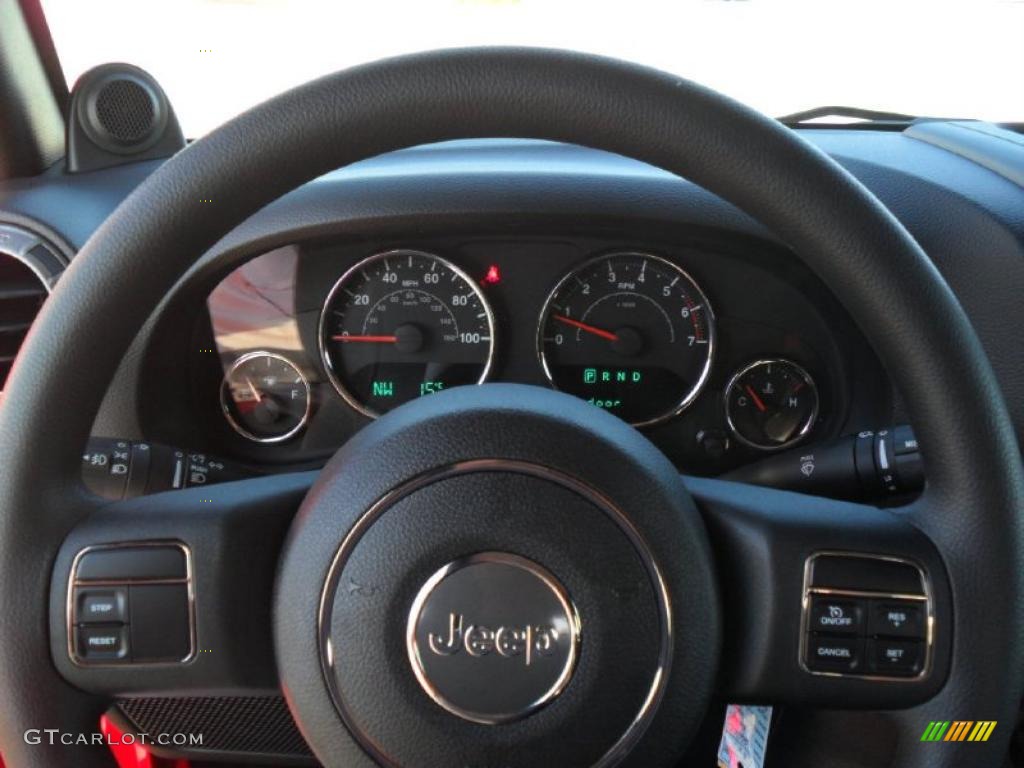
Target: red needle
(252, 388)
(369, 339)
(588, 328)
(757, 400)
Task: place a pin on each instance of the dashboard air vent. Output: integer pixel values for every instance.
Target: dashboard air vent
(29, 267)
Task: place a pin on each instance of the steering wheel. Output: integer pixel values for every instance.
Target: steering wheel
(504, 574)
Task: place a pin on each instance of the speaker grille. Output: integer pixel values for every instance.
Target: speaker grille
(243, 724)
(126, 110)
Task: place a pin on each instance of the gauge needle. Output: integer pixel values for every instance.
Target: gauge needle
(757, 400)
(252, 388)
(588, 328)
(367, 339)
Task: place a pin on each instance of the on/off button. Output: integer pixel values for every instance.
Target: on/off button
(840, 617)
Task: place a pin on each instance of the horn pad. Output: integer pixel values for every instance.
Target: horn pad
(497, 575)
(493, 637)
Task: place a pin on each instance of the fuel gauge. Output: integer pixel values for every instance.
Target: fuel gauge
(771, 404)
(265, 398)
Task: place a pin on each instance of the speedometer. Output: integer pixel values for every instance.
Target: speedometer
(403, 324)
(628, 332)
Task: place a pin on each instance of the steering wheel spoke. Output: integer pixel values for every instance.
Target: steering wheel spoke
(172, 591)
(825, 602)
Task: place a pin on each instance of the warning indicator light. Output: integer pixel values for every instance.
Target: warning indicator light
(493, 276)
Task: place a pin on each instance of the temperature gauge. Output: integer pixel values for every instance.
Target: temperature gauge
(265, 398)
(771, 404)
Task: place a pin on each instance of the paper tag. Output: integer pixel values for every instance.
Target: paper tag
(744, 736)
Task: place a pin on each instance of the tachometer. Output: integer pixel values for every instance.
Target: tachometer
(403, 324)
(628, 332)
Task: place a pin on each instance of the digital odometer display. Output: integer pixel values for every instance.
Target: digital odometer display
(403, 324)
(628, 332)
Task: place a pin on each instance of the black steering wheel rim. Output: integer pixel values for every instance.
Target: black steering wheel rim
(973, 506)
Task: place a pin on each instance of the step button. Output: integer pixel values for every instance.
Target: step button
(101, 605)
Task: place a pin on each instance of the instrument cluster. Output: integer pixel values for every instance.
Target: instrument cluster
(354, 333)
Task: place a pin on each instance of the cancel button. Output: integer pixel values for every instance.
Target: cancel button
(840, 617)
(834, 654)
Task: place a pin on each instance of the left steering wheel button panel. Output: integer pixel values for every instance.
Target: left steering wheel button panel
(131, 603)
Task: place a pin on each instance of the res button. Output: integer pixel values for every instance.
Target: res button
(897, 618)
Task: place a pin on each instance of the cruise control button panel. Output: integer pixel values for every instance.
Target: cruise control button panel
(131, 604)
(865, 616)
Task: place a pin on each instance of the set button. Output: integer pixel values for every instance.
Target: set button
(898, 658)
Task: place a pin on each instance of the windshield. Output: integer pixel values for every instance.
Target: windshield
(215, 58)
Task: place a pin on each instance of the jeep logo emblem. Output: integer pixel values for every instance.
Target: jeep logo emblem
(492, 637)
(479, 640)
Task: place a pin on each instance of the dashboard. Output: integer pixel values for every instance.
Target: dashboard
(488, 260)
(720, 353)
